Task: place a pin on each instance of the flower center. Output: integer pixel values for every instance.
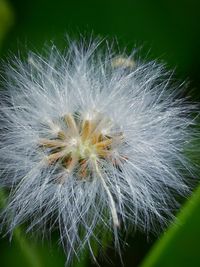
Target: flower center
(82, 142)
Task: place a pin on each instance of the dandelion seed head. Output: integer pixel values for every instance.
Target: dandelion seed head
(92, 142)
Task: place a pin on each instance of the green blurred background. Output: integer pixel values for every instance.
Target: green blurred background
(165, 30)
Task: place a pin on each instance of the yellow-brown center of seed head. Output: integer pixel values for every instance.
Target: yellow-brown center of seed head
(81, 143)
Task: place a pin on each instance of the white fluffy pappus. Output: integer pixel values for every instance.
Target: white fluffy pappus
(91, 142)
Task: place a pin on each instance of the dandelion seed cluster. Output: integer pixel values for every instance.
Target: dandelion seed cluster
(90, 142)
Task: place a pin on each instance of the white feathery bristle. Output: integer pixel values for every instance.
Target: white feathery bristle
(89, 142)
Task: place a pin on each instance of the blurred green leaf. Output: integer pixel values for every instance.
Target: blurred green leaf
(6, 19)
(179, 246)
